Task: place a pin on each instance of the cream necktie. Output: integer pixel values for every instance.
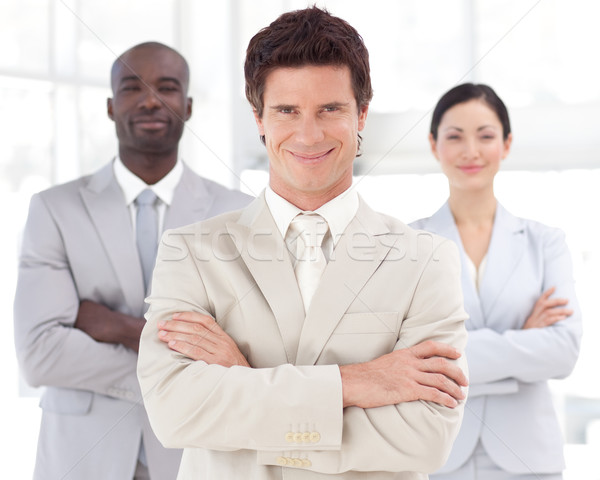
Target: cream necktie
(310, 229)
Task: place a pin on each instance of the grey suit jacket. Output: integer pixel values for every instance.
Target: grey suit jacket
(510, 406)
(383, 289)
(79, 244)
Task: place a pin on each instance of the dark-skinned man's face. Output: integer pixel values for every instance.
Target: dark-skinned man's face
(150, 103)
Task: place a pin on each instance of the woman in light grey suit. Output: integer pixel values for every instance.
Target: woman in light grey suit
(525, 323)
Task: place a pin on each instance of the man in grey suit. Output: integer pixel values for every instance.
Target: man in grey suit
(80, 296)
(263, 367)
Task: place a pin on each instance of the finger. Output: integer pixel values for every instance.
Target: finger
(432, 348)
(195, 352)
(555, 302)
(205, 340)
(194, 317)
(565, 312)
(552, 319)
(432, 394)
(548, 293)
(442, 366)
(185, 326)
(443, 384)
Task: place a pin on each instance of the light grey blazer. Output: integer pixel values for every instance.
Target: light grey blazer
(283, 418)
(79, 244)
(510, 406)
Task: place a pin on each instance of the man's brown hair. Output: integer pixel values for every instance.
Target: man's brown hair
(306, 37)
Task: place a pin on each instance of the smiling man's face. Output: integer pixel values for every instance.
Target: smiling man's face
(150, 103)
(310, 123)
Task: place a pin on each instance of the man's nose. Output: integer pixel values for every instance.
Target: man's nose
(310, 131)
(150, 99)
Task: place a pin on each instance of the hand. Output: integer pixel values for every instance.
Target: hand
(545, 311)
(199, 337)
(108, 326)
(421, 372)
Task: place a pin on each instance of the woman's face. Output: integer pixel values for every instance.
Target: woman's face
(470, 145)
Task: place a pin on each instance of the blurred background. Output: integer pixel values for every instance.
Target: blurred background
(540, 56)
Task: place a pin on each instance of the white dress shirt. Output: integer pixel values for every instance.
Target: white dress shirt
(132, 186)
(338, 213)
(475, 273)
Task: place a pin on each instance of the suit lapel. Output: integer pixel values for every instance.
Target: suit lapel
(106, 207)
(504, 254)
(191, 201)
(344, 277)
(264, 252)
(442, 223)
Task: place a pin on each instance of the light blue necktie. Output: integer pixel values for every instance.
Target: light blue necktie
(146, 232)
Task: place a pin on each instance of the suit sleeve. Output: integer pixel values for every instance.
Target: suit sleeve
(49, 350)
(535, 354)
(192, 404)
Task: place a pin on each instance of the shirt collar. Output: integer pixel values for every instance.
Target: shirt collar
(132, 185)
(338, 212)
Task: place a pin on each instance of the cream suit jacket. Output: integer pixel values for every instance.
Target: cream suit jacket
(386, 288)
(79, 244)
(510, 406)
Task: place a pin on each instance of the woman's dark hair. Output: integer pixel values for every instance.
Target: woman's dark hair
(463, 93)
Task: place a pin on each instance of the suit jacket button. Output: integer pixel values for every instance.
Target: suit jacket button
(281, 461)
(306, 463)
(315, 437)
(289, 461)
(297, 437)
(297, 462)
(306, 437)
(289, 437)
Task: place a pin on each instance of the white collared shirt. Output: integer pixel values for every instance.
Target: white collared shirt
(338, 213)
(132, 186)
(475, 273)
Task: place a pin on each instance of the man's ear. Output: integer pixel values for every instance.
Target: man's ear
(362, 117)
(188, 110)
(109, 108)
(259, 123)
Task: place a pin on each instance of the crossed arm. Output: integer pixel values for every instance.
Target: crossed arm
(109, 326)
(200, 338)
(422, 372)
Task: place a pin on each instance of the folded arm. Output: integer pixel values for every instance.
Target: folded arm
(109, 326)
(273, 408)
(547, 344)
(50, 350)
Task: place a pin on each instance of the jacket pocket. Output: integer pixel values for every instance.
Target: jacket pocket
(360, 337)
(368, 323)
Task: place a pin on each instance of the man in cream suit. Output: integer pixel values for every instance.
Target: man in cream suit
(262, 367)
(80, 297)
